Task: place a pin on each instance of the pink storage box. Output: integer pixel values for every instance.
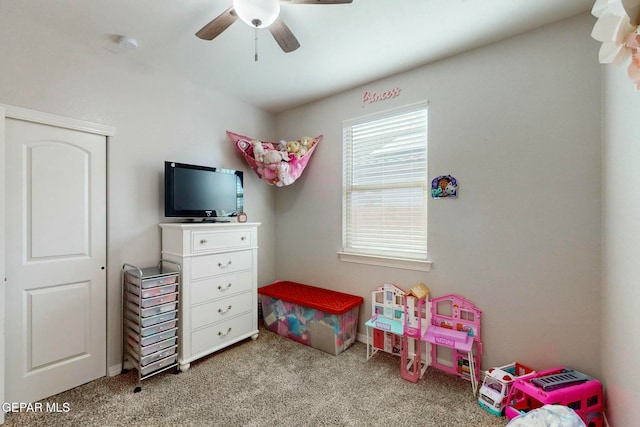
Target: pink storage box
(324, 319)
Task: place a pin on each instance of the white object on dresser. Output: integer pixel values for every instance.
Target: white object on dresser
(219, 292)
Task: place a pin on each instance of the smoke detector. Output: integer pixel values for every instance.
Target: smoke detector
(128, 43)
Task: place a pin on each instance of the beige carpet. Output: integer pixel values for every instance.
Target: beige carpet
(272, 381)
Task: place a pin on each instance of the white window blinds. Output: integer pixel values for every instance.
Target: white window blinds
(385, 184)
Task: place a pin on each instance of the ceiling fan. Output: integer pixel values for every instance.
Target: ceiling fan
(259, 14)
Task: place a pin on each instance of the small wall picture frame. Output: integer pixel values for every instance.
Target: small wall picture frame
(444, 187)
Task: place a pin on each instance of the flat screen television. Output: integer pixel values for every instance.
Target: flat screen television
(192, 191)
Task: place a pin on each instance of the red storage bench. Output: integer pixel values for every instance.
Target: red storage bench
(322, 318)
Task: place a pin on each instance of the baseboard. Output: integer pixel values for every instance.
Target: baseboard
(117, 369)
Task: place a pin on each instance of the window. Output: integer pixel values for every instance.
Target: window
(386, 189)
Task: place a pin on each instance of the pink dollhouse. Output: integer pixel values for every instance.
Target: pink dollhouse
(454, 335)
(415, 355)
(443, 333)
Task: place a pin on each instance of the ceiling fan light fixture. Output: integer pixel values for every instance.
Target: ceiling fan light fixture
(257, 13)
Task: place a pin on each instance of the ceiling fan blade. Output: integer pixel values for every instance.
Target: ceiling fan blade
(283, 35)
(214, 28)
(316, 1)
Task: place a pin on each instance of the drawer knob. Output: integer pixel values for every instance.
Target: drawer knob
(221, 311)
(221, 265)
(221, 289)
(224, 334)
(203, 241)
(243, 238)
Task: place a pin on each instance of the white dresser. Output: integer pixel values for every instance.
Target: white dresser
(219, 292)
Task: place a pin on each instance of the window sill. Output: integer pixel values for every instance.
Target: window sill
(402, 263)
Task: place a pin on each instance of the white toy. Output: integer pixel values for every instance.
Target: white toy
(497, 384)
(450, 190)
(385, 328)
(415, 356)
(271, 157)
(283, 175)
(258, 151)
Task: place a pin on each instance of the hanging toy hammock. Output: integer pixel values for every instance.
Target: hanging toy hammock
(276, 163)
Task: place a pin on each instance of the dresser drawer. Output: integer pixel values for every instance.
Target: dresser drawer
(206, 241)
(216, 264)
(215, 311)
(218, 335)
(220, 286)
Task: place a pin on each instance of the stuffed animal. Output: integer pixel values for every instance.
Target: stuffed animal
(283, 175)
(273, 157)
(307, 142)
(258, 151)
(293, 147)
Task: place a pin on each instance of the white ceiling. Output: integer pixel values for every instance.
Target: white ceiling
(342, 46)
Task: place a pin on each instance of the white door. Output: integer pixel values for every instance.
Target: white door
(55, 259)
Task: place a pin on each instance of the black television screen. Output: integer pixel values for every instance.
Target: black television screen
(192, 191)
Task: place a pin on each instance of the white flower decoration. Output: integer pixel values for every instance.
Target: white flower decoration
(617, 29)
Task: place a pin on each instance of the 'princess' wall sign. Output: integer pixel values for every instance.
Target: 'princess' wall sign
(371, 97)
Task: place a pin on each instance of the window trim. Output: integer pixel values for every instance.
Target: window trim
(386, 261)
(346, 255)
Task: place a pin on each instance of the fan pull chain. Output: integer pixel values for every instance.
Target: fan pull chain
(256, 45)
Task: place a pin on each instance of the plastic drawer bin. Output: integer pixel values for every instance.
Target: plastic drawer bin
(152, 339)
(153, 292)
(324, 319)
(152, 311)
(150, 302)
(153, 347)
(152, 320)
(152, 282)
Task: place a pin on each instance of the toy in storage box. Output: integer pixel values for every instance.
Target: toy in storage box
(324, 319)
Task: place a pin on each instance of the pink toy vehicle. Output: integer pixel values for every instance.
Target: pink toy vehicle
(559, 386)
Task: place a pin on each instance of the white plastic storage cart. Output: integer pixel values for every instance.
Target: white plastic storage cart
(150, 315)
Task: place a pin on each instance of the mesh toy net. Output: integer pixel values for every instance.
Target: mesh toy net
(276, 163)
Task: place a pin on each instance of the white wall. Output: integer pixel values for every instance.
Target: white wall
(621, 247)
(156, 117)
(518, 124)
